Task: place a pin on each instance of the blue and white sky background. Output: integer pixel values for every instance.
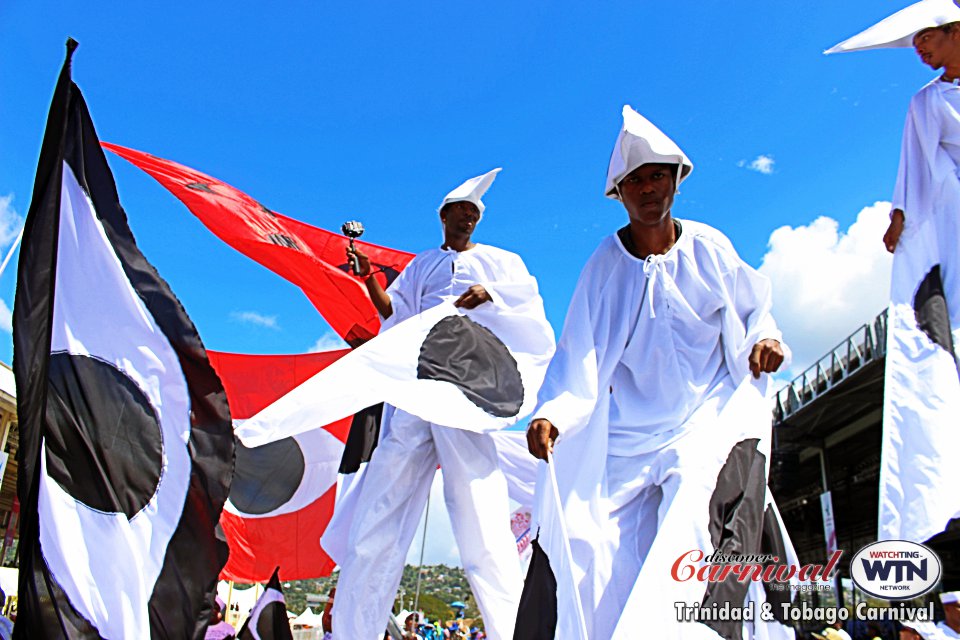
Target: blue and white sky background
(374, 110)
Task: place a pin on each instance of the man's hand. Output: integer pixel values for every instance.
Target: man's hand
(766, 357)
(378, 296)
(363, 262)
(473, 297)
(541, 435)
(892, 236)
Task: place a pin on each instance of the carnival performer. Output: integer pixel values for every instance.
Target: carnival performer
(655, 406)
(397, 480)
(922, 388)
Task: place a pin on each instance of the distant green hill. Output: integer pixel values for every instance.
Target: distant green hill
(440, 585)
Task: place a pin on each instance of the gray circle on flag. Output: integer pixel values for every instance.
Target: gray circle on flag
(266, 477)
(460, 351)
(102, 436)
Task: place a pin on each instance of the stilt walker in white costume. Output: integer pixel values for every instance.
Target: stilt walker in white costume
(657, 401)
(919, 472)
(397, 480)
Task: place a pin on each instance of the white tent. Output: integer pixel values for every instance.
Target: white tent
(308, 619)
(9, 577)
(240, 600)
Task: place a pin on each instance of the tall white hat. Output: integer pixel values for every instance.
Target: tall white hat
(472, 190)
(898, 30)
(639, 143)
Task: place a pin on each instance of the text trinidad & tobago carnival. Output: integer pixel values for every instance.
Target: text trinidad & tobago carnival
(767, 568)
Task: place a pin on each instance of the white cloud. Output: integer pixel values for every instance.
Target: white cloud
(256, 319)
(827, 283)
(10, 221)
(761, 164)
(6, 318)
(329, 341)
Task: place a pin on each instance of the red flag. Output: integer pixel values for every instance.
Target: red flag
(283, 494)
(311, 258)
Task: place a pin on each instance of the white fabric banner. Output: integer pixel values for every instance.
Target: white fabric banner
(386, 369)
(919, 471)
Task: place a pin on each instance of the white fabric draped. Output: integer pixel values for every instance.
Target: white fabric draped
(921, 441)
(653, 359)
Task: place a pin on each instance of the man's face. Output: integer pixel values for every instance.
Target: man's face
(460, 218)
(647, 192)
(951, 612)
(936, 47)
(909, 634)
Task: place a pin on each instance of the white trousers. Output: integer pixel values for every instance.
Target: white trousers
(660, 509)
(390, 504)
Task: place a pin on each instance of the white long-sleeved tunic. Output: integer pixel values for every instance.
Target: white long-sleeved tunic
(443, 275)
(933, 121)
(920, 387)
(651, 352)
(657, 335)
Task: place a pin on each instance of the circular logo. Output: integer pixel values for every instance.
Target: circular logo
(895, 569)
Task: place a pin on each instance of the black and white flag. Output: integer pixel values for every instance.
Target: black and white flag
(918, 471)
(268, 619)
(126, 446)
(478, 370)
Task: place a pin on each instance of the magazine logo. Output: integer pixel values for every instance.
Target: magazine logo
(895, 569)
(720, 567)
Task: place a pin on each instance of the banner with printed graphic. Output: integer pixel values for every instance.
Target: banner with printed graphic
(126, 447)
(313, 259)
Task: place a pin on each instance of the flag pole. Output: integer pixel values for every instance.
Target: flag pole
(229, 598)
(13, 248)
(423, 546)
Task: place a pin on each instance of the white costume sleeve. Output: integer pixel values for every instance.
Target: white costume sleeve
(403, 294)
(913, 176)
(515, 294)
(516, 309)
(899, 199)
(932, 126)
(569, 392)
(747, 317)
(514, 285)
(589, 349)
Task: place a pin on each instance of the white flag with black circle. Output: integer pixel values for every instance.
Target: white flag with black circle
(126, 443)
(478, 370)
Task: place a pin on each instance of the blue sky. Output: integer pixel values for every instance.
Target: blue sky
(373, 111)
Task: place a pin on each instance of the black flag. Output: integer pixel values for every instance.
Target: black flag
(268, 620)
(126, 447)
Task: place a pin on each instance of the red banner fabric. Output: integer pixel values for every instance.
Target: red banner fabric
(288, 536)
(310, 257)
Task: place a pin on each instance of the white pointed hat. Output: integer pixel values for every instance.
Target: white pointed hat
(639, 143)
(472, 190)
(898, 30)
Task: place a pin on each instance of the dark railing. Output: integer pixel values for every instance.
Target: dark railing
(866, 344)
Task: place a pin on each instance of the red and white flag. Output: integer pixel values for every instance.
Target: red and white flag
(311, 258)
(283, 493)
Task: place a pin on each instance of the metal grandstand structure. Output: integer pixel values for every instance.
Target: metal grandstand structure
(827, 437)
(865, 345)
